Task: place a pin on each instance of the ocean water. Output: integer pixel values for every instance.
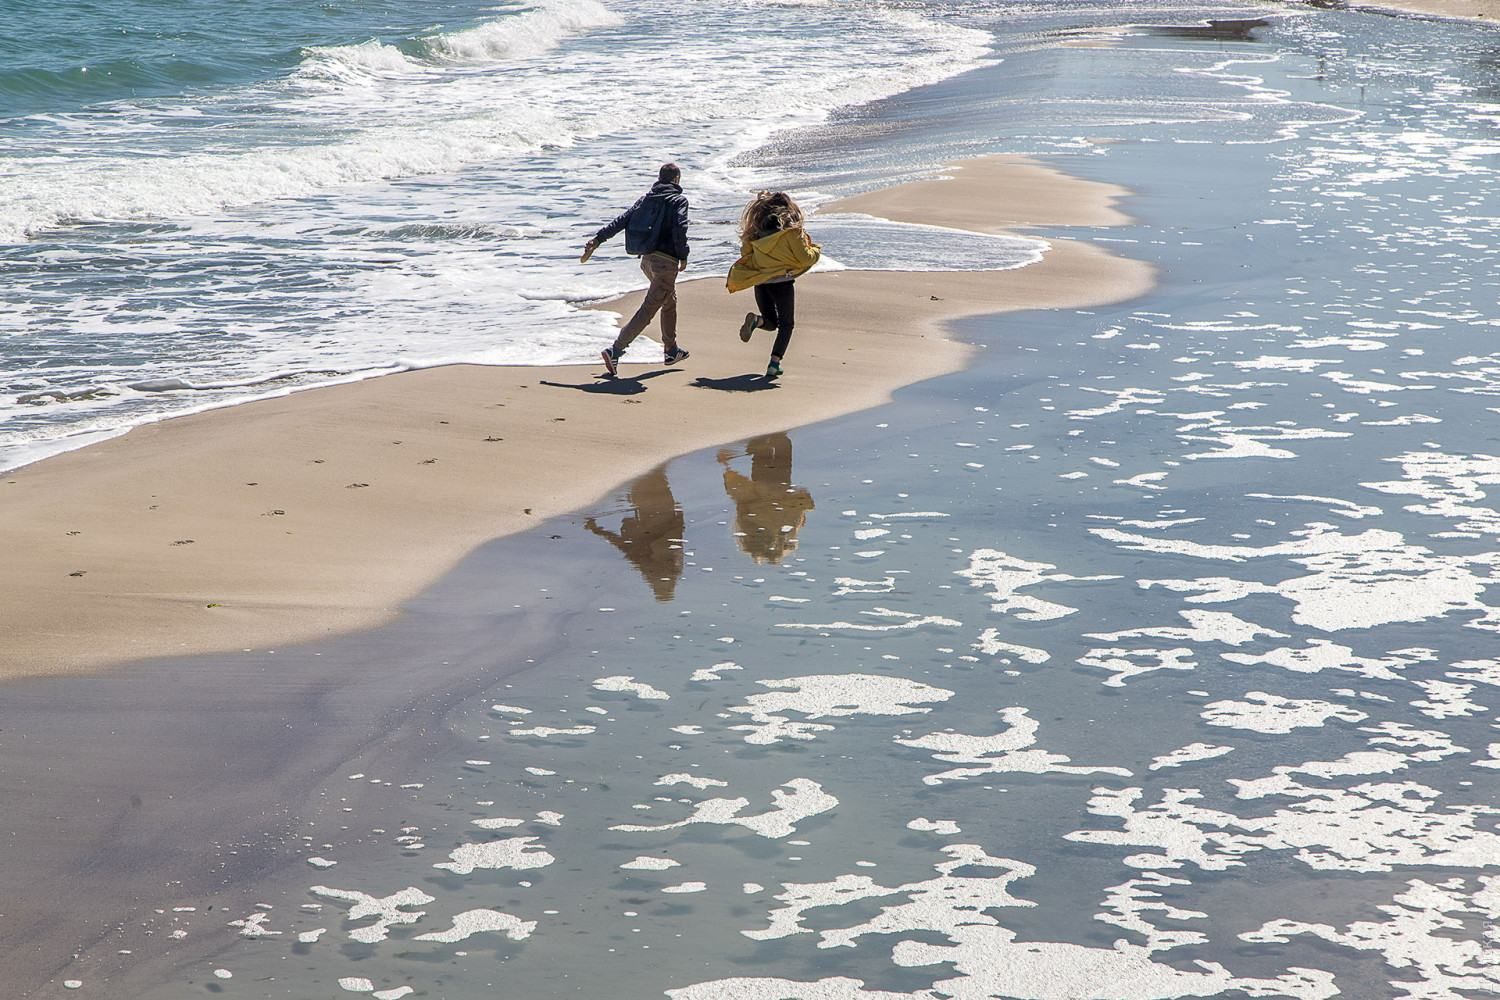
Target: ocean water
(1153, 656)
(207, 201)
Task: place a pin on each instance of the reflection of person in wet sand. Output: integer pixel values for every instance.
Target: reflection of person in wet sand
(651, 534)
(769, 510)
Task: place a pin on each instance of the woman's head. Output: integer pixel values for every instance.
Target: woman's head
(765, 207)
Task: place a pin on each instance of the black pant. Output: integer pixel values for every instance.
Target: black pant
(777, 302)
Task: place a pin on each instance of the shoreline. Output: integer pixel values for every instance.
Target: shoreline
(319, 513)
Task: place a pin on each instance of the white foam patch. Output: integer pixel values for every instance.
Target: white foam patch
(1370, 827)
(757, 988)
(1480, 671)
(1446, 700)
(849, 585)
(388, 911)
(645, 863)
(1426, 937)
(545, 732)
(1126, 907)
(1005, 574)
(1269, 713)
(1119, 400)
(685, 887)
(1398, 746)
(625, 684)
(1356, 581)
(805, 798)
(1321, 654)
(683, 778)
(938, 905)
(471, 922)
(1006, 752)
(515, 852)
(254, 926)
(1344, 508)
(1453, 486)
(498, 823)
(900, 621)
(712, 673)
(1123, 664)
(1203, 626)
(941, 827)
(1188, 754)
(820, 696)
(992, 963)
(991, 644)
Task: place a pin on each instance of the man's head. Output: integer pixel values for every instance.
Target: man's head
(670, 173)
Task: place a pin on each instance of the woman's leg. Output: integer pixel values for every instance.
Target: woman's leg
(765, 304)
(785, 294)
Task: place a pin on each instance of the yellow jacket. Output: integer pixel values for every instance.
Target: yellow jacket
(789, 251)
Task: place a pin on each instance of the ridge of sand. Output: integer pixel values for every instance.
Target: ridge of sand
(290, 519)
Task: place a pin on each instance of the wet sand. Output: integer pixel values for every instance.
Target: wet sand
(317, 514)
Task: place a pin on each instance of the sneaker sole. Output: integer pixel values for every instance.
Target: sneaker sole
(610, 364)
(748, 327)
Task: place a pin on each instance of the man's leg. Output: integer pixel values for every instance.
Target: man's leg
(667, 274)
(663, 286)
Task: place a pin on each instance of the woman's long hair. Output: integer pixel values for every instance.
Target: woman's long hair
(766, 206)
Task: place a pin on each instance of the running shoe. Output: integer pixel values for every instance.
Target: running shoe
(611, 360)
(673, 357)
(748, 327)
(773, 370)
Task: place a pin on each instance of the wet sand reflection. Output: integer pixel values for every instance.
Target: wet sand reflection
(769, 510)
(651, 534)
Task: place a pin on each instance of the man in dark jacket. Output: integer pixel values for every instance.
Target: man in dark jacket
(655, 230)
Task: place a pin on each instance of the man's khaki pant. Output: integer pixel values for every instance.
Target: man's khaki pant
(661, 296)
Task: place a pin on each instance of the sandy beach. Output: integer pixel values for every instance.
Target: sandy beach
(1478, 10)
(319, 513)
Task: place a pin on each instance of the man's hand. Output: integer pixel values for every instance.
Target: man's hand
(588, 250)
(681, 266)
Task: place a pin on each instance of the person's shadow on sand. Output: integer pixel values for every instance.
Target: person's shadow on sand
(613, 385)
(736, 383)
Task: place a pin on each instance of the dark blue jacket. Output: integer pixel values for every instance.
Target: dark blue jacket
(658, 221)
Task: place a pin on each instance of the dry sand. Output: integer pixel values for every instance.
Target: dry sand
(296, 518)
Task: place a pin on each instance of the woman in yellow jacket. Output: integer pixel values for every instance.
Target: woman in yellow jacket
(774, 251)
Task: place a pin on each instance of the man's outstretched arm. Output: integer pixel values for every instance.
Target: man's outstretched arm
(610, 229)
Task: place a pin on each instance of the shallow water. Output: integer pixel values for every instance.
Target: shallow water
(1152, 656)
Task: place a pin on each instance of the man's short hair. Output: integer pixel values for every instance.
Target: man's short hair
(670, 173)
